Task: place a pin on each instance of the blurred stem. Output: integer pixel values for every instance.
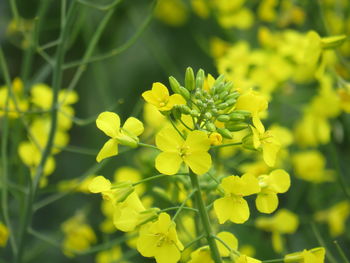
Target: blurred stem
(14, 10)
(147, 145)
(336, 163)
(204, 217)
(227, 246)
(320, 240)
(56, 85)
(182, 206)
(194, 241)
(226, 145)
(154, 178)
(273, 260)
(4, 163)
(341, 252)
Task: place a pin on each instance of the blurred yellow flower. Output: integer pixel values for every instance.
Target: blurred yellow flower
(315, 255)
(4, 234)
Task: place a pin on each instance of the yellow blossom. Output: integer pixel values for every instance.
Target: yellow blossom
(172, 12)
(4, 234)
(175, 150)
(15, 104)
(159, 240)
(276, 182)
(315, 255)
(232, 206)
(230, 240)
(159, 97)
(336, 217)
(109, 123)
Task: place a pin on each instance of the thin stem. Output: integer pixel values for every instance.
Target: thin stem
(56, 85)
(341, 252)
(178, 207)
(147, 145)
(226, 145)
(226, 245)
(117, 50)
(154, 178)
(44, 238)
(320, 240)
(273, 260)
(182, 206)
(99, 7)
(14, 10)
(193, 241)
(174, 125)
(4, 163)
(80, 150)
(205, 218)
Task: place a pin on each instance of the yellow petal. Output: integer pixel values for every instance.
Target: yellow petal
(223, 209)
(168, 163)
(160, 91)
(149, 96)
(99, 184)
(199, 162)
(167, 253)
(240, 212)
(169, 140)
(277, 242)
(197, 141)
(258, 124)
(110, 148)
(147, 242)
(270, 151)
(279, 181)
(133, 126)
(109, 123)
(266, 202)
(230, 240)
(176, 99)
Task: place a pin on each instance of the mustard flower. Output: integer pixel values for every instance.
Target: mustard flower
(232, 206)
(201, 255)
(4, 234)
(109, 123)
(336, 217)
(159, 240)
(315, 255)
(159, 97)
(193, 151)
(283, 222)
(278, 181)
(266, 141)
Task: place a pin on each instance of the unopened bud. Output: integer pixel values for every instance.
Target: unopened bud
(225, 133)
(189, 79)
(174, 85)
(223, 118)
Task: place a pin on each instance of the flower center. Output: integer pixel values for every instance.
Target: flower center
(183, 150)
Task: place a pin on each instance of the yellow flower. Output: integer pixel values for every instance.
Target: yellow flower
(336, 217)
(246, 259)
(129, 174)
(159, 240)
(283, 222)
(159, 97)
(232, 206)
(172, 12)
(175, 150)
(315, 255)
(276, 182)
(215, 138)
(252, 101)
(201, 255)
(78, 235)
(18, 103)
(109, 123)
(230, 240)
(266, 141)
(4, 234)
(311, 166)
(109, 256)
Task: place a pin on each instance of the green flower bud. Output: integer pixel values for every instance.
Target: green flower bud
(233, 95)
(223, 118)
(194, 113)
(185, 109)
(245, 113)
(210, 127)
(208, 115)
(231, 102)
(176, 112)
(236, 116)
(218, 82)
(236, 126)
(189, 79)
(225, 133)
(174, 85)
(200, 79)
(185, 93)
(247, 142)
(222, 106)
(223, 95)
(228, 86)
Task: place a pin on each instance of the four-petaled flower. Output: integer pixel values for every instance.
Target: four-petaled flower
(159, 240)
(193, 151)
(109, 123)
(159, 97)
(232, 206)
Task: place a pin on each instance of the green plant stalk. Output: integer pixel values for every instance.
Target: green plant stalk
(4, 163)
(203, 214)
(56, 84)
(341, 252)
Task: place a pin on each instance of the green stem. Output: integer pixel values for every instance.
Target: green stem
(4, 163)
(154, 178)
(320, 240)
(147, 145)
(193, 241)
(56, 85)
(182, 206)
(174, 125)
(177, 208)
(227, 246)
(205, 218)
(273, 260)
(341, 252)
(14, 10)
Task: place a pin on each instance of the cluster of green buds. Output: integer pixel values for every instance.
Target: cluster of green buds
(210, 103)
